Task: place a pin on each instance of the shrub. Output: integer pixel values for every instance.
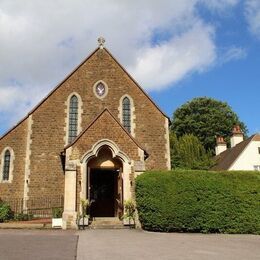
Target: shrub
(129, 211)
(57, 212)
(199, 201)
(5, 212)
(23, 216)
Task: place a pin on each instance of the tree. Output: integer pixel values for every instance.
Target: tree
(187, 152)
(206, 118)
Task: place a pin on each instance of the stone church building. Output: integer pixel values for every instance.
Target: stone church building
(89, 138)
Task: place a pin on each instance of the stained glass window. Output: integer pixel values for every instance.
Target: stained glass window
(73, 119)
(6, 168)
(127, 114)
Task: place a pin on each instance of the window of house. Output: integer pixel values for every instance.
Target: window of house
(257, 167)
(73, 119)
(259, 150)
(6, 166)
(126, 106)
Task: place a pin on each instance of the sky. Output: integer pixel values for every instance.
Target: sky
(175, 49)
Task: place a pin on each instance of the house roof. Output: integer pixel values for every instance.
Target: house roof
(116, 120)
(69, 75)
(225, 159)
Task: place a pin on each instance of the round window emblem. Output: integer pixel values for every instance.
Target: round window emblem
(100, 89)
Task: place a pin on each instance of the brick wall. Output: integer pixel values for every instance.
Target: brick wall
(47, 139)
(105, 127)
(16, 139)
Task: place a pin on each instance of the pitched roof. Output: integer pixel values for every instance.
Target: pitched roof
(69, 75)
(225, 159)
(116, 120)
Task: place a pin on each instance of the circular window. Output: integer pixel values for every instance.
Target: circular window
(100, 89)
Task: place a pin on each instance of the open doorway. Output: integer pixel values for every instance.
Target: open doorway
(105, 185)
(103, 192)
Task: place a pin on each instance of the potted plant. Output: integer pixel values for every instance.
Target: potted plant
(57, 217)
(83, 219)
(129, 212)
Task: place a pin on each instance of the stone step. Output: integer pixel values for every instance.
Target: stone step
(106, 223)
(107, 227)
(106, 218)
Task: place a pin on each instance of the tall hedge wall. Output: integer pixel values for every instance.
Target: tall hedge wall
(199, 201)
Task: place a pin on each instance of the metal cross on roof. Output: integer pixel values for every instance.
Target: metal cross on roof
(101, 42)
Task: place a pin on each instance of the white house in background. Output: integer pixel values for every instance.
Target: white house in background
(243, 154)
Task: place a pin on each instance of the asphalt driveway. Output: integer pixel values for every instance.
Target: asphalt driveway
(124, 244)
(37, 244)
(134, 244)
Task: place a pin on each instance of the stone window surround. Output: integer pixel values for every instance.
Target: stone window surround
(132, 107)
(106, 89)
(11, 165)
(67, 111)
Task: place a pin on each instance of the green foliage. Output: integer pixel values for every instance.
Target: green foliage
(23, 217)
(129, 210)
(187, 152)
(205, 118)
(84, 207)
(57, 212)
(5, 212)
(199, 201)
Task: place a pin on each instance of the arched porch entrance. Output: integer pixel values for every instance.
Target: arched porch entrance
(105, 184)
(102, 175)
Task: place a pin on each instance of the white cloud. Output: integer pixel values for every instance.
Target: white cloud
(253, 16)
(42, 41)
(192, 51)
(232, 53)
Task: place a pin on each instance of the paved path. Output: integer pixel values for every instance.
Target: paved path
(37, 245)
(134, 244)
(124, 245)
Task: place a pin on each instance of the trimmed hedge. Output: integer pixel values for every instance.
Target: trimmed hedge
(199, 201)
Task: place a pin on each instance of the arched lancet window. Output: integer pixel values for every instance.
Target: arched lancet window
(73, 119)
(6, 168)
(126, 114)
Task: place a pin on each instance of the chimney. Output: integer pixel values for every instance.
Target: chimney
(221, 145)
(237, 136)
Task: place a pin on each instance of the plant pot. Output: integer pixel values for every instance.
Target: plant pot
(83, 222)
(56, 222)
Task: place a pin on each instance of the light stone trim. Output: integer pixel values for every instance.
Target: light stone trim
(106, 89)
(98, 145)
(69, 214)
(11, 169)
(94, 153)
(67, 110)
(167, 144)
(27, 170)
(133, 116)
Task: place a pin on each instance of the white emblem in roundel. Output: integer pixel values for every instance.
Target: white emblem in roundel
(100, 89)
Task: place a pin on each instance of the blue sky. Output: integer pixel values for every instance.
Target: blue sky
(175, 49)
(236, 82)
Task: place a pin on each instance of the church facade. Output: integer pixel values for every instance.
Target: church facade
(88, 139)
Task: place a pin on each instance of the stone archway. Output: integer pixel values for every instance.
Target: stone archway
(105, 184)
(105, 155)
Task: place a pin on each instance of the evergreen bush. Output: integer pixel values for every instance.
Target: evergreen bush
(199, 201)
(5, 212)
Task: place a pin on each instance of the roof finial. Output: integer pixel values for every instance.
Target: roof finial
(101, 42)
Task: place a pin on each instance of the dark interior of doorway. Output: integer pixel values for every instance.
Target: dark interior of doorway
(103, 191)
